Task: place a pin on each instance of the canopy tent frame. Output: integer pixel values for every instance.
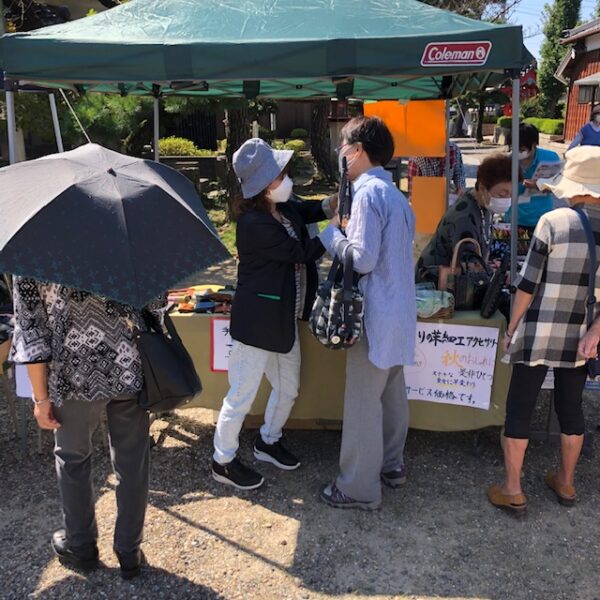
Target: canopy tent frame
(363, 50)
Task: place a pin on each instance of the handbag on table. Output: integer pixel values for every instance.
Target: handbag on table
(468, 279)
(593, 364)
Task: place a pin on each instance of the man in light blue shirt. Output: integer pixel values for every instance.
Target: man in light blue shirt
(380, 235)
(530, 157)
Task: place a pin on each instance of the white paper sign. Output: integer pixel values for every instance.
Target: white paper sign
(454, 364)
(220, 344)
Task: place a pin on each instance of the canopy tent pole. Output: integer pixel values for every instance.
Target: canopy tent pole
(55, 122)
(447, 161)
(514, 226)
(11, 121)
(156, 130)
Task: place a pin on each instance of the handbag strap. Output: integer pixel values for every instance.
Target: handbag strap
(457, 249)
(591, 242)
(345, 195)
(348, 286)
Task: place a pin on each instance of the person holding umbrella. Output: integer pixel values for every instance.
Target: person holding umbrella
(92, 238)
(277, 283)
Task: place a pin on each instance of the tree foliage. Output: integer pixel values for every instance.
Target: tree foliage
(561, 15)
(474, 9)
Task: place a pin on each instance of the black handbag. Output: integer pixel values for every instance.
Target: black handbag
(493, 295)
(593, 364)
(336, 319)
(170, 378)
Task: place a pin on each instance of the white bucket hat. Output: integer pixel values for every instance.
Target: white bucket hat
(256, 165)
(580, 177)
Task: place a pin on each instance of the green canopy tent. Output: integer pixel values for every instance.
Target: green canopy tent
(367, 49)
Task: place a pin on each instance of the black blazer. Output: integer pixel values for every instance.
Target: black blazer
(263, 308)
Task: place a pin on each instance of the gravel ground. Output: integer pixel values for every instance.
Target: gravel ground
(435, 538)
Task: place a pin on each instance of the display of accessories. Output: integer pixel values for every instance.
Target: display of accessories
(500, 242)
(203, 299)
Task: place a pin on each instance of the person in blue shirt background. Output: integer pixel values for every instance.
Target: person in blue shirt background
(589, 134)
(530, 156)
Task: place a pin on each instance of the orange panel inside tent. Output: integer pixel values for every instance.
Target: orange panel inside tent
(428, 202)
(418, 127)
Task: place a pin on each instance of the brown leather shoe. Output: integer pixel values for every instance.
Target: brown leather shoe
(565, 494)
(514, 504)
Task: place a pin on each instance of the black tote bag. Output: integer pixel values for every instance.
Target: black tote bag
(170, 378)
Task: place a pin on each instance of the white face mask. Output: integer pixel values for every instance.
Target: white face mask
(499, 205)
(282, 192)
(341, 161)
(524, 155)
(596, 119)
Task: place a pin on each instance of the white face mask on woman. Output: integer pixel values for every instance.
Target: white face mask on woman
(524, 155)
(499, 205)
(282, 192)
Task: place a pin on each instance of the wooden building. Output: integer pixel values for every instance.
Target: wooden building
(580, 70)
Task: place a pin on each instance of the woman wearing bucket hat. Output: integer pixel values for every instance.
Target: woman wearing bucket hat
(277, 282)
(548, 321)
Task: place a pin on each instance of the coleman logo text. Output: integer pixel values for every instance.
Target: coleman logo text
(456, 54)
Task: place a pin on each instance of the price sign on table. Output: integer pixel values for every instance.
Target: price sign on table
(454, 364)
(220, 344)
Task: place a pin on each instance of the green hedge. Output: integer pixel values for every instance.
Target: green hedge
(547, 126)
(295, 145)
(299, 133)
(178, 146)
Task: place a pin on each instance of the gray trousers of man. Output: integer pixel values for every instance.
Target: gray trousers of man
(375, 424)
(128, 428)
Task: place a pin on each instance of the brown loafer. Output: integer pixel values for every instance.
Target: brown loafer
(514, 504)
(565, 494)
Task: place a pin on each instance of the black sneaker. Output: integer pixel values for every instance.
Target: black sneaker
(237, 474)
(276, 454)
(79, 557)
(394, 479)
(131, 564)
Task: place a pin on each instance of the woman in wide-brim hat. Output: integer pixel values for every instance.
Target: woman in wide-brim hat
(547, 323)
(277, 283)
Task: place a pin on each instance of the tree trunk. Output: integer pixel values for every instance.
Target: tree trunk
(319, 140)
(237, 130)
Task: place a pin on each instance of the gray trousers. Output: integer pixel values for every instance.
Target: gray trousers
(128, 427)
(375, 424)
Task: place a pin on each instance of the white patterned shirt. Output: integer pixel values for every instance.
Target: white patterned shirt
(84, 339)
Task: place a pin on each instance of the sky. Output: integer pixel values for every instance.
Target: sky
(528, 13)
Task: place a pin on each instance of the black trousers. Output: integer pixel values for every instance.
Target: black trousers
(525, 386)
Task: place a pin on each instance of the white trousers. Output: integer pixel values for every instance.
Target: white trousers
(247, 365)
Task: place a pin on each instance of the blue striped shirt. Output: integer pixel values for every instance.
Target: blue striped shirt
(380, 234)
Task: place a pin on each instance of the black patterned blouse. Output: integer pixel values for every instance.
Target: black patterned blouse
(465, 219)
(84, 339)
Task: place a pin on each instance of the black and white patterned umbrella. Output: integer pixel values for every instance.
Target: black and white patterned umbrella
(100, 221)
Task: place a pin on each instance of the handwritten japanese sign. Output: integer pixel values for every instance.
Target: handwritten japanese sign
(454, 364)
(220, 344)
